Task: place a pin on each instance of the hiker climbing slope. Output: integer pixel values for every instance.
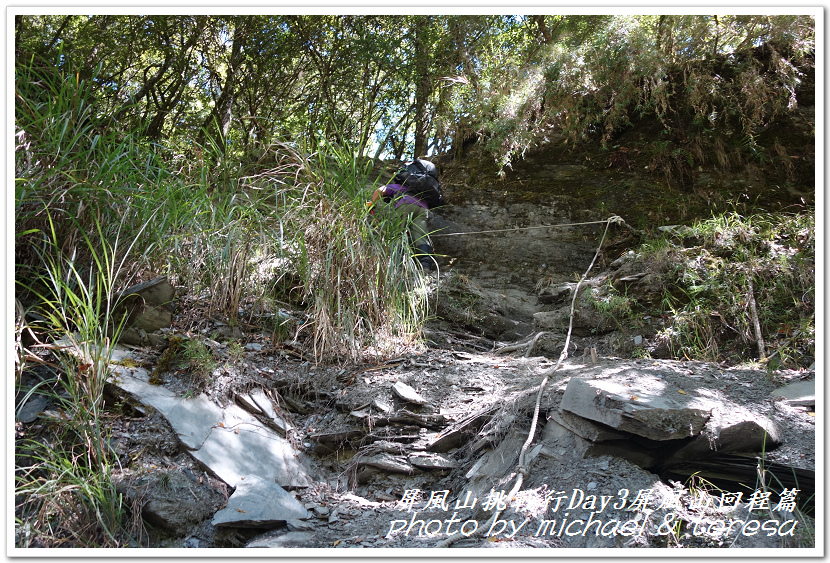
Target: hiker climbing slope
(414, 190)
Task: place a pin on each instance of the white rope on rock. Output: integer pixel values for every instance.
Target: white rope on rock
(613, 219)
(521, 469)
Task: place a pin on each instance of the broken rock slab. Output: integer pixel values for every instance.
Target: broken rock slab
(558, 294)
(731, 429)
(585, 428)
(565, 445)
(498, 462)
(636, 408)
(283, 538)
(407, 393)
(258, 503)
(258, 402)
(229, 441)
(328, 443)
(389, 463)
(460, 432)
(244, 446)
(799, 394)
(431, 462)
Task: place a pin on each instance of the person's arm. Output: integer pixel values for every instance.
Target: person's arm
(378, 193)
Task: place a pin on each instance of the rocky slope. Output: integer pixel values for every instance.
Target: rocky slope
(272, 450)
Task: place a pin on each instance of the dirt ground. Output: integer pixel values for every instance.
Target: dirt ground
(357, 434)
(358, 506)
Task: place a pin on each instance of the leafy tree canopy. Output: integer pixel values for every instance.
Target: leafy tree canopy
(404, 85)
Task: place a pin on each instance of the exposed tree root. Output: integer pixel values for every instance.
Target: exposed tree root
(529, 343)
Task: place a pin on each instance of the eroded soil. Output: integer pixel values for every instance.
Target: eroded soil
(356, 505)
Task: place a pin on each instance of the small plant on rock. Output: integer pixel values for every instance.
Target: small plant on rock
(198, 359)
(612, 305)
(235, 351)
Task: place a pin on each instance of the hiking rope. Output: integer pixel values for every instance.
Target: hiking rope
(521, 469)
(613, 219)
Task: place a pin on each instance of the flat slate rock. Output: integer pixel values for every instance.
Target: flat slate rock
(565, 445)
(231, 442)
(459, 432)
(799, 394)
(431, 461)
(635, 409)
(192, 419)
(498, 462)
(281, 538)
(258, 402)
(389, 463)
(244, 446)
(32, 409)
(585, 428)
(407, 393)
(258, 503)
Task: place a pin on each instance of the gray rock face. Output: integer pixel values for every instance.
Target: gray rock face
(562, 443)
(547, 320)
(636, 410)
(258, 503)
(730, 430)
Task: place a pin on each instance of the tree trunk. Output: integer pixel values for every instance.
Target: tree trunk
(422, 88)
(219, 120)
(543, 29)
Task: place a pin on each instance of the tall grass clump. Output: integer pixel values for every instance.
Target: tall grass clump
(351, 271)
(81, 214)
(63, 488)
(71, 163)
(741, 288)
(295, 235)
(61, 500)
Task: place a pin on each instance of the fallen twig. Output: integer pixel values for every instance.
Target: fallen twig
(753, 310)
(533, 343)
(530, 343)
